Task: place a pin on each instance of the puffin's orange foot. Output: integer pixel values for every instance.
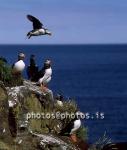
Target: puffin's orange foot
(73, 137)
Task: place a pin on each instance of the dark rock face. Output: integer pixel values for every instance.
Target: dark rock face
(4, 109)
(117, 146)
(19, 132)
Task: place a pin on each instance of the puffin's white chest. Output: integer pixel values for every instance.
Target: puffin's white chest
(77, 124)
(19, 66)
(39, 32)
(47, 76)
(60, 103)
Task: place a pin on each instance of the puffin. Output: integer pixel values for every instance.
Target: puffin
(38, 28)
(32, 69)
(59, 100)
(46, 73)
(73, 125)
(19, 66)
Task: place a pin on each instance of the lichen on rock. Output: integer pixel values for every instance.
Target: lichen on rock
(16, 103)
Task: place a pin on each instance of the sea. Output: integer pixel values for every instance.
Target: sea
(95, 76)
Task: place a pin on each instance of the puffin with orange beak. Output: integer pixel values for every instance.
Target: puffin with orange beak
(38, 28)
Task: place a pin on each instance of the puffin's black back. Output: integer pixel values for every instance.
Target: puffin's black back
(68, 128)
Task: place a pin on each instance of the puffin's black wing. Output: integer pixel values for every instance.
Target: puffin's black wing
(36, 23)
(67, 129)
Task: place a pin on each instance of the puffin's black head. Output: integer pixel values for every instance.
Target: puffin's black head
(47, 64)
(48, 32)
(79, 115)
(59, 97)
(21, 56)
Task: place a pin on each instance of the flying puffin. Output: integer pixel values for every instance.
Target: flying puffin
(19, 66)
(73, 126)
(38, 28)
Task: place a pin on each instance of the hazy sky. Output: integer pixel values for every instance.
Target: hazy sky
(71, 21)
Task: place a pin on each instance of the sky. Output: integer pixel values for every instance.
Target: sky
(70, 21)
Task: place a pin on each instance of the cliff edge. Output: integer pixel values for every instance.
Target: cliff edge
(22, 125)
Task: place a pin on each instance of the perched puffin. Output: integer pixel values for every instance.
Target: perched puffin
(59, 100)
(73, 126)
(19, 66)
(38, 28)
(32, 69)
(46, 73)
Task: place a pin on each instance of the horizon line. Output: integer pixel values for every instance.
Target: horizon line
(46, 44)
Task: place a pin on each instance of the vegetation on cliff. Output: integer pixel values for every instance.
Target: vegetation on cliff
(6, 74)
(18, 128)
(17, 100)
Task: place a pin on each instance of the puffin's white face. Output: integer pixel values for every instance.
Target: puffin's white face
(21, 58)
(48, 32)
(79, 114)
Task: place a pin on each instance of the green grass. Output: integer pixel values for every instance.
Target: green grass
(4, 146)
(82, 133)
(7, 77)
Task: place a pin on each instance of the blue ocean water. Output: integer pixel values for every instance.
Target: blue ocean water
(94, 75)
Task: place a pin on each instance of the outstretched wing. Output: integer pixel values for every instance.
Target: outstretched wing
(36, 23)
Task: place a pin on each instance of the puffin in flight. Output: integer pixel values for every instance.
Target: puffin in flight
(38, 28)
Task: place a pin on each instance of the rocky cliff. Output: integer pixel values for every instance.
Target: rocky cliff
(19, 131)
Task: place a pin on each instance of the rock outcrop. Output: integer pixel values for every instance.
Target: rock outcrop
(4, 110)
(18, 131)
